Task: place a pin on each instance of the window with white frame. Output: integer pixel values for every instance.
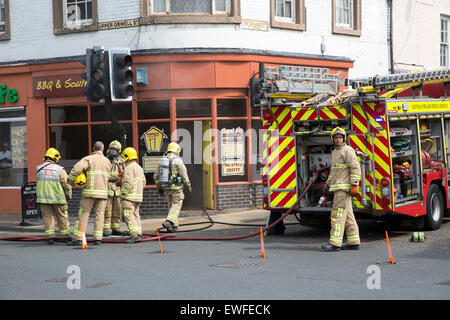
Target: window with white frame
(344, 13)
(77, 13)
(285, 10)
(174, 7)
(444, 42)
(2, 16)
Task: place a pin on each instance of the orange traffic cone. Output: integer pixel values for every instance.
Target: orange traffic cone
(83, 237)
(159, 240)
(263, 251)
(391, 258)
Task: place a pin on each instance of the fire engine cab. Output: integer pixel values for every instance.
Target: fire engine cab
(398, 125)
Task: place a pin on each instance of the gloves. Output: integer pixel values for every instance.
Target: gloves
(353, 190)
(189, 187)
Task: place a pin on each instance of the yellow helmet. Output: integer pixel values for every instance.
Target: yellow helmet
(337, 130)
(80, 180)
(174, 147)
(129, 154)
(53, 154)
(116, 145)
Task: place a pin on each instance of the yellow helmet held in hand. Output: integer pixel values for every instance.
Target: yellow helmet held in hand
(80, 180)
(129, 154)
(174, 147)
(53, 154)
(338, 130)
(116, 145)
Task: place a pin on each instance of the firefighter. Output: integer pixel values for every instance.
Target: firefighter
(53, 192)
(173, 188)
(132, 191)
(95, 193)
(343, 181)
(113, 209)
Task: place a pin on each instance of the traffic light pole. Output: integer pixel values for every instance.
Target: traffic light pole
(108, 104)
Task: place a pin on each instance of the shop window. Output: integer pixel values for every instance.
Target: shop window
(107, 133)
(71, 141)
(154, 109)
(120, 111)
(194, 108)
(232, 150)
(68, 114)
(13, 148)
(4, 20)
(154, 137)
(289, 14)
(71, 16)
(190, 11)
(231, 108)
(346, 17)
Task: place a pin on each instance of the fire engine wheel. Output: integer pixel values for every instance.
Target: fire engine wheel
(435, 208)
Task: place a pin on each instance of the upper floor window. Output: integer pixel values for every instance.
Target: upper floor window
(189, 6)
(444, 42)
(289, 14)
(4, 20)
(74, 16)
(190, 11)
(347, 17)
(77, 13)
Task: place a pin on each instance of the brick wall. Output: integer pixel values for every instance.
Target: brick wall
(239, 196)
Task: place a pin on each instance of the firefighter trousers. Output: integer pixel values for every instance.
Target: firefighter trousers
(86, 205)
(49, 212)
(343, 219)
(175, 201)
(130, 213)
(113, 214)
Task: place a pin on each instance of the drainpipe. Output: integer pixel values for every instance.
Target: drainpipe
(390, 40)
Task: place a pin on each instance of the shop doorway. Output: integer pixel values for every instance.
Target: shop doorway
(194, 138)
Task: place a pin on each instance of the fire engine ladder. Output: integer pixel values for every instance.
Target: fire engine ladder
(300, 82)
(399, 82)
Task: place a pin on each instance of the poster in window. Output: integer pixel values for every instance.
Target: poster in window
(19, 147)
(232, 151)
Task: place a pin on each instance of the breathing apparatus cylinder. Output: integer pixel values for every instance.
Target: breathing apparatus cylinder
(164, 171)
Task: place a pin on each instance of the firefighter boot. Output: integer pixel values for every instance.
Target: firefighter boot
(168, 225)
(97, 242)
(51, 240)
(350, 247)
(133, 239)
(330, 247)
(77, 243)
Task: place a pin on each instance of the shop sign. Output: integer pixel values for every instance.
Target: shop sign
(150, 163)
(58, 86)
(153, 138)
(232, 152)
(30, 207)
(9, 95)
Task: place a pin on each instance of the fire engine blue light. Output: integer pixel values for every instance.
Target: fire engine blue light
(379, 119)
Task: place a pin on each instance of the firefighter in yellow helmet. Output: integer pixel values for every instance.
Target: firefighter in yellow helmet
(53, 191)
(171, 177)
(113, 209)
(133, 183)
(97, 169)
(343, 181)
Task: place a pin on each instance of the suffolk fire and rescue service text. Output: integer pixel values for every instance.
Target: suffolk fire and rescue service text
(228, 309)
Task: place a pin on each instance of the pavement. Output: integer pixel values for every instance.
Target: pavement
(189, 220)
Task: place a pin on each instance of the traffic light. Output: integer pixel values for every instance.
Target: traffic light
(256, 87)
(121, 74)
(96, 75)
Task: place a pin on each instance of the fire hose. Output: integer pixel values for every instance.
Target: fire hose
(153, 237)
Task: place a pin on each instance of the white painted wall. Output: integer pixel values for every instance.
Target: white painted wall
(32, 33)
(417, 33)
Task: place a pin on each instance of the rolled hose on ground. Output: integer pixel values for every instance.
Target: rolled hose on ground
(153, 237)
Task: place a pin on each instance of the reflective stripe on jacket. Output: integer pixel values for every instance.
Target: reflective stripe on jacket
(345, 169)
(133, 182)
(97, 169)
(51, 184)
